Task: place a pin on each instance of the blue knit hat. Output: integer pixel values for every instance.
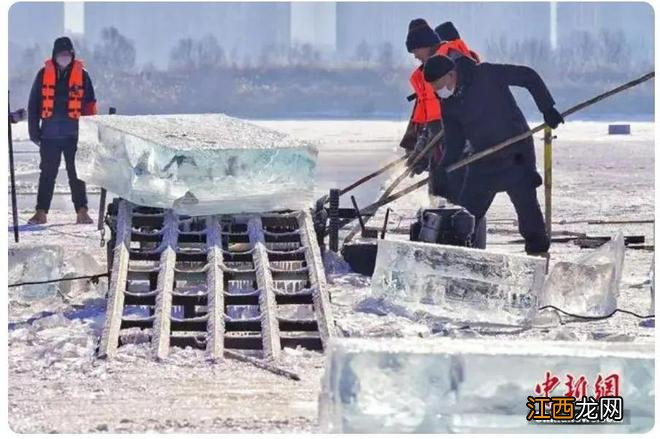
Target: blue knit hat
(420, 34)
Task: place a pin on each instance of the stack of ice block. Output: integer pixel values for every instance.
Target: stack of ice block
(458, 283)
(590, 285)
(197, 164)
(472, 386)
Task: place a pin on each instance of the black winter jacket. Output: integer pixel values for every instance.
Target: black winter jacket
(483, 111)
(59, 125)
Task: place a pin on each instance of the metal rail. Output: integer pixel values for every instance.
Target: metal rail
(227, 284)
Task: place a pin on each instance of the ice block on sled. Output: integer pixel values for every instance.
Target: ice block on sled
(590, 285)
(439, 385)
(459, 283)
(196, 163)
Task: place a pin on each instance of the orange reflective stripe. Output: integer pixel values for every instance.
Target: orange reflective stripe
(48, 90)
(76, 90)
(427, 105)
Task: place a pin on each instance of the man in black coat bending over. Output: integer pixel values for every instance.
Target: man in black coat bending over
(479, 108)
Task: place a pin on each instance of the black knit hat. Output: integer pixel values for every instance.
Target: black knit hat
(447, 32)
(437, 66)
(61, 44)
(420, 34)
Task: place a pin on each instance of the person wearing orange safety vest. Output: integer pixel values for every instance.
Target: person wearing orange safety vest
(452, 43)
(425, 121)
(62, 92)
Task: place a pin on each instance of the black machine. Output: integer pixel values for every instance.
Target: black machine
(451, 225)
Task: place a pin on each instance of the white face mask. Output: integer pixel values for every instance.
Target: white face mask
(63, 60)
(445, 92)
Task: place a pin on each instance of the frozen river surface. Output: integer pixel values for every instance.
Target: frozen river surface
(56, 385)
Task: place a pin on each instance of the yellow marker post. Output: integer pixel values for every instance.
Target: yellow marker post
(547, 178)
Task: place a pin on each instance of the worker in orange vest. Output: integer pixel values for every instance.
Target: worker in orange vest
(425, 121)
(452, 44)
(62, 92)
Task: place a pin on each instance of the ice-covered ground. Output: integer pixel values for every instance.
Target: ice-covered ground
(55, 384)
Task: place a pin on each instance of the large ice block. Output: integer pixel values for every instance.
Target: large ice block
(472, 386)
(458, 283)
(196, 163)
(590, 285)
(30, 263)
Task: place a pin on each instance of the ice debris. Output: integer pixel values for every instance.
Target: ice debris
(590, 285)
(30, 263)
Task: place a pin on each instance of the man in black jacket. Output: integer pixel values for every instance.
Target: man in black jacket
(478, 107)
(62, 91)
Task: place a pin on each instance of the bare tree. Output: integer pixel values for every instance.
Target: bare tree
(386, 54)
(363, 52)
(114, 51)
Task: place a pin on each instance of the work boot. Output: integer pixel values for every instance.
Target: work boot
(38, 218)
(83, 217)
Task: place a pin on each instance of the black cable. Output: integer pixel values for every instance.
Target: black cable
(598, 317)
(93, 276)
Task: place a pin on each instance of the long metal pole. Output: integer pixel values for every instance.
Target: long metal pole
(99, 225)
(385, 195)
(493, 149)
(14, 207)
(547, 180)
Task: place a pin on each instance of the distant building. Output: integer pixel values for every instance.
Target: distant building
(242, 29)
(314, 23)
(246, 31)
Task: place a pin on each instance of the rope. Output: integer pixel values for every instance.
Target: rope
(94, 277)
(623, 311)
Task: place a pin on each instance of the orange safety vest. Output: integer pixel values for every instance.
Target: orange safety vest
(427, 106)
(459, 46)
(76, 90)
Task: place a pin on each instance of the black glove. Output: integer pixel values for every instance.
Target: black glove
(440, 182)
(421, 166)
(552, 117)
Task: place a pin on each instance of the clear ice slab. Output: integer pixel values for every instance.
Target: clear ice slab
(405, 385)
(590, 285)
(197, 164)
(30, 263)
(457, 283)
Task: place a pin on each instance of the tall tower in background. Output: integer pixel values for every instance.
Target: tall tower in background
(314, 23)
(74, 18)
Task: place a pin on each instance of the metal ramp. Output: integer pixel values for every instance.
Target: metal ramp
(223, 282)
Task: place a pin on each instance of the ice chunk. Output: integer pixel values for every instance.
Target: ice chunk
(472, 386)
(197, 164)
(30, 263)
(590, 285)
(458, 283)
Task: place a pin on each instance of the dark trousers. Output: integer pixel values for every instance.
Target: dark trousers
(479, 192)
(51, 151)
